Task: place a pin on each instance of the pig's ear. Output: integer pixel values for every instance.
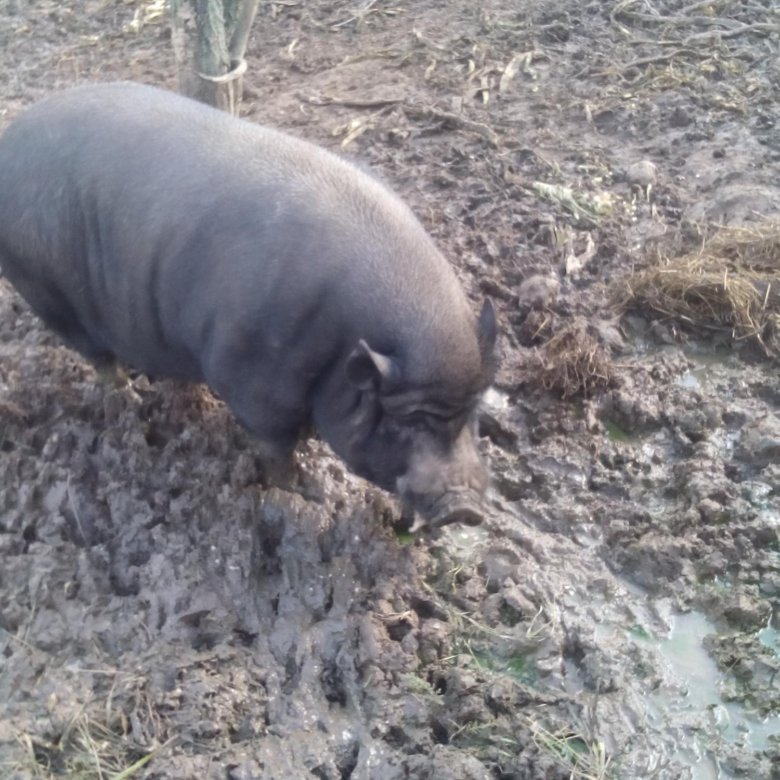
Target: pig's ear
(366, 368)
(486, 330)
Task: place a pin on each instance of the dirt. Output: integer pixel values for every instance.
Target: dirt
(165, 613)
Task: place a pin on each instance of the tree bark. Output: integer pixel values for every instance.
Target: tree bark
(209, 41)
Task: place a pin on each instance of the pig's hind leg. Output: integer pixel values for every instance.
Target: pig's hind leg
(53, 307)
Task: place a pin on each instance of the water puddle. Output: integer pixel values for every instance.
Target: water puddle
(692, 380)
(770, 637)
(692, 669)
(706, 361)
(686, 711)
(466, 541)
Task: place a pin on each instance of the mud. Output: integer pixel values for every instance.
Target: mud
(164, 609)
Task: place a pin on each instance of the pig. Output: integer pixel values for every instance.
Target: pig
(150, 229)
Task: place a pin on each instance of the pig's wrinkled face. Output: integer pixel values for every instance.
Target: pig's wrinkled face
(419, 443)
(428, 457)
(445, 479)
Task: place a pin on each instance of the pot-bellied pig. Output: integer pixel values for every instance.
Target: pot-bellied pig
(149, 228)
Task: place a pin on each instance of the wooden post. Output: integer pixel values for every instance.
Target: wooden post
(209, 41)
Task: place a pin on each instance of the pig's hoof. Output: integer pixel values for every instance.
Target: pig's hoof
(280, 472)
(112, 375)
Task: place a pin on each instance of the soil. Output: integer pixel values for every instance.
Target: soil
(165, 613)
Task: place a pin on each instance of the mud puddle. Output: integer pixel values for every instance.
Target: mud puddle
(705, 365)
(684, 708)
(700, 681)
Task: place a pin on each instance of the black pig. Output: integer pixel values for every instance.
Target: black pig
(149, 228)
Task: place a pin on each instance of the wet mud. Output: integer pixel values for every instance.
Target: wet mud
(167, 608)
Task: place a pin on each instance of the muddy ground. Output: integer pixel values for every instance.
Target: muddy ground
(162, 612)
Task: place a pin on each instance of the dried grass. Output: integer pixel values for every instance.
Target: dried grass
(111, 737)
(732, 284)
(572, 362)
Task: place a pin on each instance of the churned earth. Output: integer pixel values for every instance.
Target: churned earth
(164, 613)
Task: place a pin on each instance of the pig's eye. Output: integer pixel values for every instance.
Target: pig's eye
(416, 418)
(425, 421)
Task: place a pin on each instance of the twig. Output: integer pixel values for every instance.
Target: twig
(652, 42)
(322, 100)
(638, 63)
(661, 58)
(766, 27)
(735, 27)
(697, 6)
(358, 15)
(426, 41)
(682, 21)
(412, 109)
(480, 128)
(75, 512)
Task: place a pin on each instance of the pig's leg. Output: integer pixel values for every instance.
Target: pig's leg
(275, 437)
(275, 427)
(53, 308)
(263, 397)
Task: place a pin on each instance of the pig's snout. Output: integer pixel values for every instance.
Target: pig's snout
(457, 509)
(446, 488)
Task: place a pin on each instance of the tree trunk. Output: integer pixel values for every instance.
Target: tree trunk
(209, 42)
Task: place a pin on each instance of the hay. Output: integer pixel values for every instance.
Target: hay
(572, 362)
(731, 284)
